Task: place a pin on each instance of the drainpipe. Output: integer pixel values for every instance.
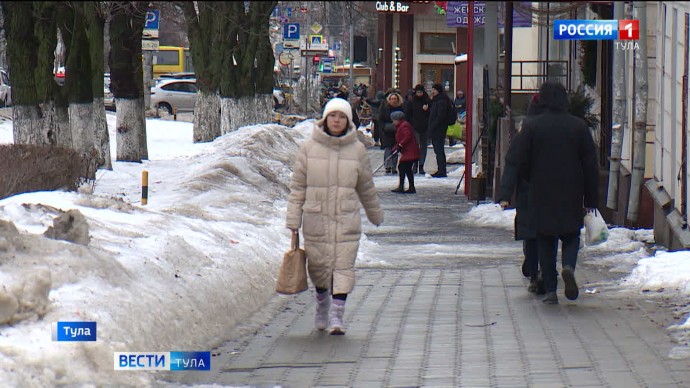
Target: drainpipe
(618, 128)
(640, 134)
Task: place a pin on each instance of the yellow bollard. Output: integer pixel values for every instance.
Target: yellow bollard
(144, 187)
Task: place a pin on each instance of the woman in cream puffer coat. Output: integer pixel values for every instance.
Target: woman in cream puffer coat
(331, 176)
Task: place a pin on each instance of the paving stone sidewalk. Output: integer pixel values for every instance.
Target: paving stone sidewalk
(458, 318)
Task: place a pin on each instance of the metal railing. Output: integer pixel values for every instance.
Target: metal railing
(531, 74)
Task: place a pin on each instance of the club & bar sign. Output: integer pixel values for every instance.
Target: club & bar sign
(392, 6)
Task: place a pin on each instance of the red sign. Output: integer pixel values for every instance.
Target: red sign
(629, 29)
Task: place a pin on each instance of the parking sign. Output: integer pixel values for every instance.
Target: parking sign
(291, 31)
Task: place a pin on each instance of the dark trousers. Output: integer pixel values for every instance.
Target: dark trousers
(548, 251)
(530, 267)
(405, 168)
(423, 141)
(439, 150)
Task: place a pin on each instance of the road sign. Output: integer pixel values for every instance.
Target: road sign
(151, 26)
(336, 46)
(291, 44)
(285, 58)
(316, 28)
(291, 31)
(149, 44)
(152, 19)
(316, 39)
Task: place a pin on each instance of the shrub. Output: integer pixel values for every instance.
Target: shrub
(27, 168)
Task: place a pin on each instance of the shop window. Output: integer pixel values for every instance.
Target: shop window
(437, 43)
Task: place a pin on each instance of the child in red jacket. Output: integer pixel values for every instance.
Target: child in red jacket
(406, 145)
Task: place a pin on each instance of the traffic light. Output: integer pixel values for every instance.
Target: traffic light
(316, 59)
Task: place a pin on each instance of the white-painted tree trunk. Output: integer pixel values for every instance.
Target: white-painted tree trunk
(63, 134)
(206, 117)
(81, 126)
(640, 129)
(130, 129)
(236, 113)
(101, 135)
(29, 125)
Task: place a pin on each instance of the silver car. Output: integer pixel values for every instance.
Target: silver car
(174, 95)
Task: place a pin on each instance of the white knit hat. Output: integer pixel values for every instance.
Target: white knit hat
(339, 105)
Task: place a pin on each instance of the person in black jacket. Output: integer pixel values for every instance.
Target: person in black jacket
(392, 102)
(556, 154)
(512, 182)
(375, 104)
(440, 103)
(417, 112)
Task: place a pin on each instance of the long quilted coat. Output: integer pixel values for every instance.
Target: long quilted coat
(330, 178)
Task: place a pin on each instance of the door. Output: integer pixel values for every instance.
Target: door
(438, 74)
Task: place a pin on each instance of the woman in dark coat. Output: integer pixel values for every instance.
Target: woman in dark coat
(393, 102)
(556, 154)
(512, 182)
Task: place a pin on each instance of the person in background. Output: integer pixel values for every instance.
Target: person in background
(331, 176)
(417, 113)
(440, 102)
(406, 145)
(556, 154)
(460, 103)
(393, 102)
(375, 104)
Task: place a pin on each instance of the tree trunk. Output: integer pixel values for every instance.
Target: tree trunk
(127, 78)
(204, 22)
(27, 116)
(101, 135)
(130, 126)
(78, 80)
(206, 117)
(95, 26)
(250, 110)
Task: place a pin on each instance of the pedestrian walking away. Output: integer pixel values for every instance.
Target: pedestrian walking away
(512, 182)
(407, 145)
(556, 154)
(328, 210)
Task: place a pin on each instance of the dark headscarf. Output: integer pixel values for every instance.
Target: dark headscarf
(553, 96)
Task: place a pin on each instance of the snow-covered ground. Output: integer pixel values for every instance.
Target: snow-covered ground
(199, 258)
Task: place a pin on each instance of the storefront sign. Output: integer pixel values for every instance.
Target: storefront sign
(457, 11)
(392, 6)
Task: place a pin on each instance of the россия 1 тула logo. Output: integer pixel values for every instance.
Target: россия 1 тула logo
(596, 29)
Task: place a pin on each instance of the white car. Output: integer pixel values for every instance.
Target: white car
(174, 95)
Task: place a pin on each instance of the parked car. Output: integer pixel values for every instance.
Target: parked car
(5, 89)
(108, 97)
(174, 94)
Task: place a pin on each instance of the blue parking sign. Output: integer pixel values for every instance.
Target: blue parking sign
(152, 19)
(291, 31)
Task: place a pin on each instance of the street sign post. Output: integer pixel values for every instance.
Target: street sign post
(291, 31)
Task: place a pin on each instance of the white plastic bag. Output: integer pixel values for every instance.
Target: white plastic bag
(596, 231)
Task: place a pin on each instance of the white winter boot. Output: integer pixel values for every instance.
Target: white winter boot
(336, 315)
(323, 303)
